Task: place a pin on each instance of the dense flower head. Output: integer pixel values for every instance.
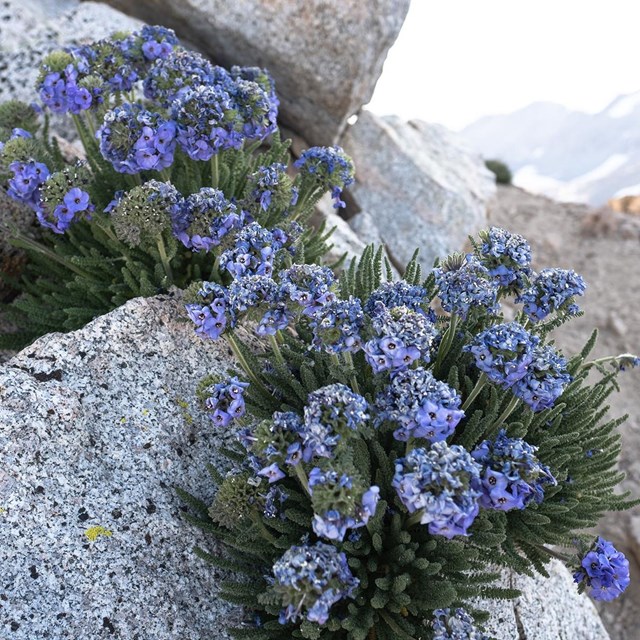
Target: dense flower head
(398, 294)
(269, 187)
(308, 286)
(455, 625)
(205, 218)
(339, 503)
(261, 77)
(278, 440)
(16, 132)
(545, 380)
(109, 61)
(512, 476)
(64, 200)
(327, 168)
(552, 290)
(402, 336)
(604, 571)
(141, 215)
(337, 325)
(210, 316)
(506, 255)
(249, 291)
(205, 118)
(442, 484)
(464, 283)
(28, 177)
(254, 251)
(178, 72)
(256, 112)
(331, 413)
(311, 579)
(133, 139)
(504, 352)
(149, 44)
(226, 401)
(420, 406)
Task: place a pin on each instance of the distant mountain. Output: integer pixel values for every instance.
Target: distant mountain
(567, 155)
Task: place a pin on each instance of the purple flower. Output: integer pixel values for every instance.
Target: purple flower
(455, 625)
(226, 402)
(337, 326)
(273, 473)
(507, 256)
(552, 290)
(604, 571)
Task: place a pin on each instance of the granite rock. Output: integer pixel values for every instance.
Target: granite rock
(325, 55)
(96, 430)
(418, 186)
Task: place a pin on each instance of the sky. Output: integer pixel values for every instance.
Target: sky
(458, 60)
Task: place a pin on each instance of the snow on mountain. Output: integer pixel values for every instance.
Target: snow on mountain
(567, 155)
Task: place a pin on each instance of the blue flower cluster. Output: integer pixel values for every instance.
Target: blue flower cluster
(210, 319)
(402, 336)
(604, 571)
(308, 286)
(442, 485)
(329, 168)
(254, 251)
(205, 218)
(463, 284)
(504, 352)
(552, 290)
(511, 476)
(266, 183)
(348, 506)
(24, 185)
(312, 578)
(399, 294)
(545, 380)
(75, 203)
(507, 256)
(226, 402)
(134, 139)
(61, 90)
(337, 326)
(420, 406)
(455, 625)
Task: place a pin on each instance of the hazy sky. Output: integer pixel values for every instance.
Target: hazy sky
(457, 60)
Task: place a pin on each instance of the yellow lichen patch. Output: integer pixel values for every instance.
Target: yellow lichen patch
(93, 533)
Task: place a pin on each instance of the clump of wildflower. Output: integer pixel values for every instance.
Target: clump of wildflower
(149, 44)
(512, 476)
(402, 336)
(28, 177)
(398, 294)
(326, 168)
(552, 290)
(133, 139)
(63, 199)
(16, 132)
(504, 352)
(440, 484)
(420, 405)
(311, 579)
(337, 326)
(506, 255)
(455, 625)
(604, 571)
(141, 215)
(308, 285)
(277, 440)
(545, 380)
(269, 187)
(463, 283)
(210, 316)
(275, 319)
(226, 401)
(169, 77)
(109, 62)
(339, 503)
(205, 218)
(254, 251)
(258, 109)
(205, 117)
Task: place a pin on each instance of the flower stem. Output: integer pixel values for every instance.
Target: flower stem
(348, 360)
(513, 403)
(447, 340)
(554, 554)
(415, 518)
(166, 175)
(372, 634)
(302, 477)
(255, 516)
(276, 350)
(399, 633)
(215, 175)
(243, 363)
(482, 380)
(164, 258)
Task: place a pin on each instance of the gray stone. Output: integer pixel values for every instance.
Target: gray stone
(418, 184)
(96, 431)
(325, 55)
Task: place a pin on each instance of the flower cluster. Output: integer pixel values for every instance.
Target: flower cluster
(507, 256)
(270, 186)
(552, 290)
(419, 406)
(210, 319)
(398, 294)
(226, 402)
(308, 286)
(337, 326)
(511, 475)
(604, 571)
(254, 251)
(402, 336)
(312, 578)
(28, 177)
(441, 486)
(455, 625)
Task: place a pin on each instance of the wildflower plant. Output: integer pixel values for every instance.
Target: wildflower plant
(181, 177)
(415, 452)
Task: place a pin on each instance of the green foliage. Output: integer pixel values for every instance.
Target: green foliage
(500, 170)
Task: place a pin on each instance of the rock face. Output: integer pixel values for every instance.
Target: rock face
(416, 186)
(325, 55)
(95, 432)
(96, 428)
(548, 609)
